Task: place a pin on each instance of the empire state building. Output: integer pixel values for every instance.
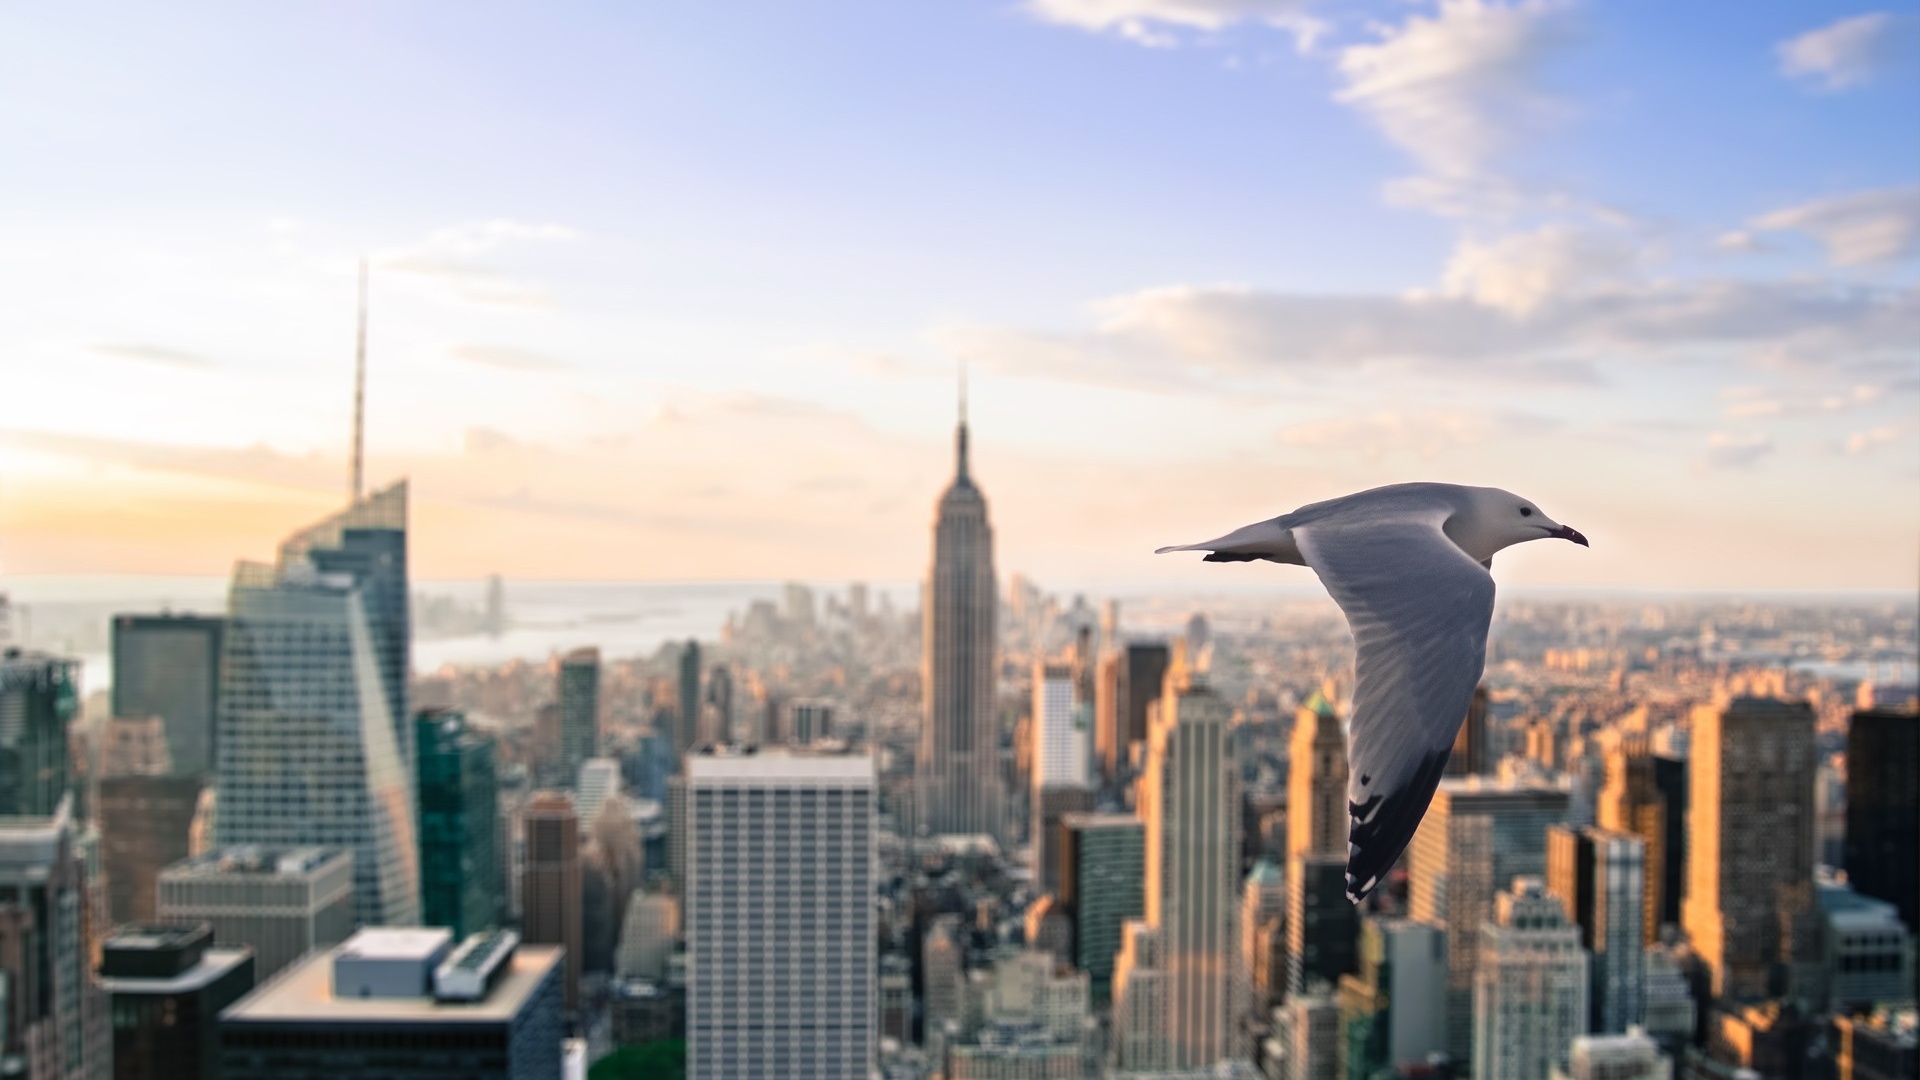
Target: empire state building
(959, 760)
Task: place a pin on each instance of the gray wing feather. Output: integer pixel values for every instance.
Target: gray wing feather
(1419, 609)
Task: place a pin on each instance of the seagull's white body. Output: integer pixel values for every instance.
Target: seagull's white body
(1409, 565)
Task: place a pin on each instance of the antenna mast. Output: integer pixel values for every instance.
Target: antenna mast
(360, 393)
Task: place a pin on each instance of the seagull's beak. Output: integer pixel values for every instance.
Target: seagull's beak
(1566, 533)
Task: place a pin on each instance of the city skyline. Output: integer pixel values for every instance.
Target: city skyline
(1477, 279)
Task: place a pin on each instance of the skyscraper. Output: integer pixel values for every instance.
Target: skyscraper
(1190, 803)
(461, 884)
(1109, 736)
(780, 921)
(281, 904)
(1470, 756)
(1317, 782)
(1323, 926)
(55, 1018)
(145, 822)
(1750, 877)
(1060, 764)
(314, 659)
(1393, 1011)
(169, 666)
(1883, 809)
(1306, 1032)
(1142, 1001)
(579, 678)
(1600, 877)
(1102, 877)
(1635, 800)
(959, 757)
(168, 984)
(689, 697)
(1146, 670)
(39, 695)
(551, 904)
(1530, 987)
(1476, 838)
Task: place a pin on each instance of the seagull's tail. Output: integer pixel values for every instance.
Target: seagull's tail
(1262, 540)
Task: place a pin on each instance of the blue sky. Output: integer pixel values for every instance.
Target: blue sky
(677, 291)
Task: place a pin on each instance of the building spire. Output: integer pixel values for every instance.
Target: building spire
(960, 432)
(358, 479)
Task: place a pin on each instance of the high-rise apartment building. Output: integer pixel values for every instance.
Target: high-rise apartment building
(461, 883)
(780, 924)
(280, 904)
(1476, 838)
(1393, 1011)
(167, 984)
(39, 696)
(1059, 742)
(1190, 804)
(959, 756)
(1883, 809)
(1750, 874)
(578, 674)
(1640, 797)
(169, 666)
(1600, 877)
(1530, 986)
(56, 1024)
(551, 906)
(1102, 882)
(315, 662)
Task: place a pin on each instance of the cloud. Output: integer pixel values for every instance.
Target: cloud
(152, 354)
(483, 440)
(1865, 442)
(1457, 89)
(1522, 272)
(1725, 451)
(1428, 433)
(1234, 337)
(506, 359)
(258, 463)
(451, 257)
(1150, 22)
(1851, 52)
(1857, 229)
(1750, 406)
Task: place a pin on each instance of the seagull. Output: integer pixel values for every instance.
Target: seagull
(1410, 565)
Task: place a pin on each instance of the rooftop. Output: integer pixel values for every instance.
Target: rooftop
(249, 859)
(388, 943)
(213, 964)
(780, 765)
(304, 993)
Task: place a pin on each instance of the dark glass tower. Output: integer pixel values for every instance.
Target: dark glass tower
(38, 698)
(460, 880)
(689, 735)
(959, 756)
(1883, 808)
(169, 666)
(579, 710)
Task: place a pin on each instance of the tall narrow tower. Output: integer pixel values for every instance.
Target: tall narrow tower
(959, 761)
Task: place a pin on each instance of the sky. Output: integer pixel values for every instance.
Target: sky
(682, 291)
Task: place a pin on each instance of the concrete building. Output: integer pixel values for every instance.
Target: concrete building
(1749, 908)
(1306, 1036)
(282, 904)
(1190, 804)
(1476, 838)
(1263, 902)
(943, 979)
(1645, 795)
(167, 984)
(404, 1004)
(146, 824)
(168, 666)
(647, 936)
(55, 1018)
(1600, 877)
(1879, 1046)
(1317, 782)
(780, 922)
(315, 747)
(1866, 953)
(1630, 1055)
(958, 764)
(1142, 1001)
(550, 886)
(1530, 987)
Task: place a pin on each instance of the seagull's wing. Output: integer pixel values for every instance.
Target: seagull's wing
(1419, 608)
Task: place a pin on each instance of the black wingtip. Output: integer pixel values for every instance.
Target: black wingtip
(1383, 826)
(1228, 556)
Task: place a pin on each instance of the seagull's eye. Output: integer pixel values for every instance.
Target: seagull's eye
(1526, 511)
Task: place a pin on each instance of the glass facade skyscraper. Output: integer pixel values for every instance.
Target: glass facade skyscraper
(579, 680)
(307, 752)
(38, 699)
(460, 880)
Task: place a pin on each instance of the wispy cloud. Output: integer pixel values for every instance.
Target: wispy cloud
(1522, 272)
(1853, 51)
(1427, 433)
(1156, 23)
(152, 354)
(1729, 451)
(1458, 89)
(1857, 229)
(452, 256)
(505, 358)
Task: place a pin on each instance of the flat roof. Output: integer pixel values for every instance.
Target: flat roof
(213, 964)
(254, 861)
(780, 766)
(304, 994)
(396, 943)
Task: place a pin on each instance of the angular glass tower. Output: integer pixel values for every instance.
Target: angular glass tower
(309, 752)
(460, 882)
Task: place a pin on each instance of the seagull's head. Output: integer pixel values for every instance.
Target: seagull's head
(1500, 519)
